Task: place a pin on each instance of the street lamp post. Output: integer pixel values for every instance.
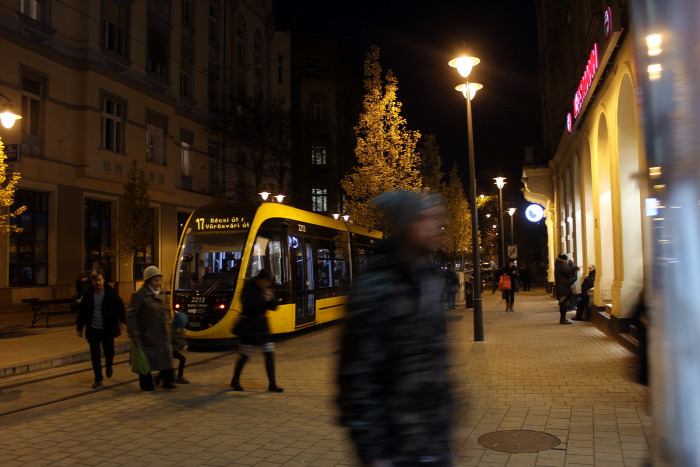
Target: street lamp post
(500, 181)
(511, 211)
(464, 66)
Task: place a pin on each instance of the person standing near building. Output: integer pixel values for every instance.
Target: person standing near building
(585, 296)
(394, 392)
(564, 272)
(101, 313)
(525, 277)
(451, 287)
(148, 325)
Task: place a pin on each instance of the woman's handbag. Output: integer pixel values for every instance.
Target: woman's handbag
(139, 362)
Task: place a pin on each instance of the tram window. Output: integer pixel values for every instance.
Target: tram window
(267, 253)
(323, 265)
(211, 259)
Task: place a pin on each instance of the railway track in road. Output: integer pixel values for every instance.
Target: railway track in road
(74, 395)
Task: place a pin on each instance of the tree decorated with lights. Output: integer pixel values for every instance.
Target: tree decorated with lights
(386, 157)
(458, 229)
(8, 186)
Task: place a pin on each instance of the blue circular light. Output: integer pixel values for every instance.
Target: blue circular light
(534, 213)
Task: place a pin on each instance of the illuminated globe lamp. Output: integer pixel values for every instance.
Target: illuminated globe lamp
(7, 113)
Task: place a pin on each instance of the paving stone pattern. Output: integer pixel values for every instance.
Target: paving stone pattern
(530, 373)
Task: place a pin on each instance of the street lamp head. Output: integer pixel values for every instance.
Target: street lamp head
(336, 216)
(346, 217)
(473, 87)
(279, 198)
(7, 113)
(511, 211)
(264, 195)
(464, 64)
(500, 182)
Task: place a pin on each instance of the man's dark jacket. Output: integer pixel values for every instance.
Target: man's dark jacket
(113, 311)
(394, 392)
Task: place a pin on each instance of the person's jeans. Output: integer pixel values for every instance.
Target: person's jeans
(97, 338)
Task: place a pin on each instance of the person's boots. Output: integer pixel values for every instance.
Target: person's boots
(235, 382)
(511, 307)
(562, 312)
(270, 368)
(507, 305)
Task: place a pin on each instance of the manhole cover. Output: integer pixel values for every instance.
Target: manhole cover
(517, 441)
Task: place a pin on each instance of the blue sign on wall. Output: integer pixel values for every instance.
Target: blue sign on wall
(12, 152)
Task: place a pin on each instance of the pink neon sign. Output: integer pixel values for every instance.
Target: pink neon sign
(586, 80)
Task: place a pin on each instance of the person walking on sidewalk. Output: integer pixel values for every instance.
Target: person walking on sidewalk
(101, 313)
(525, 277)
(253, 329)
(451, 287)
(585, 296)
(563, 274)
(179, 343)
(394, 391)
(509, 295)
(148, 326)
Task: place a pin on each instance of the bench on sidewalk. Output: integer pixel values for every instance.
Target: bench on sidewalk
(55, 307)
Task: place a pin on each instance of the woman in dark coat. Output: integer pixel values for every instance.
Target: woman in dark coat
(564, 272)
(253, 329)
(101, 313)
(148, 324)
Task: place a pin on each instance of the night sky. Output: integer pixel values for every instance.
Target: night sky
(417, 38)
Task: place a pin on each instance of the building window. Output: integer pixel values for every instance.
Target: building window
(97, 235)
(279, 69)
(186, 139)
(33, 8)
(319, 199)
(187, 12)
(213, 24)
(213, 86)
(155, 141)
(258, 73)
(144, 257)
(32, 104)
(241, 87)
(213, 158)
(318, 108)
(29, 248)
(318, 155)
(158, 53)
(185, 83)
(112, 124)
(115, 27)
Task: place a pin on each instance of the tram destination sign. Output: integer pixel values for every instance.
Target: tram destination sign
(221, 223)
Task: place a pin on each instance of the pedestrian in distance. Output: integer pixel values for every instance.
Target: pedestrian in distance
(525, 277)
(509, 294)
(102, 315)
(149, 325)
(451, 287)
(394, 392)
(572, 280)
(253, 329)
(178, 343)
(563, 274)
(583, 306)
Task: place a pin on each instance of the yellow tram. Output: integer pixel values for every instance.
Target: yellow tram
(312, 259)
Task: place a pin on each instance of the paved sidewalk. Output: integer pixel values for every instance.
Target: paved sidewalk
(530, 374)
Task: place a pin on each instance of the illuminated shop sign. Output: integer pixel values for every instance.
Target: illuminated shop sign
(534, 213)
(214, 223)
(586, 80)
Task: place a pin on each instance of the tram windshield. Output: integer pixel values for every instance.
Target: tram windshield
(210, 261)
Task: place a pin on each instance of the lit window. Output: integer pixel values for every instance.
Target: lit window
(318, 155)
(319, 199)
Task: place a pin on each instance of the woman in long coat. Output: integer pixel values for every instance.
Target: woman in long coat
(148, 324)
(253, 329)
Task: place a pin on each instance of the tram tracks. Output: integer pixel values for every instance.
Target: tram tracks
(75, 395)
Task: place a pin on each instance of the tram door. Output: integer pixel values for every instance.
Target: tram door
(301, 252)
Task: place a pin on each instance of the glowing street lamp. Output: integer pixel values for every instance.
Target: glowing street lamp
(511, 211)
(500, 182)
(464, 66)
(7, 113)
